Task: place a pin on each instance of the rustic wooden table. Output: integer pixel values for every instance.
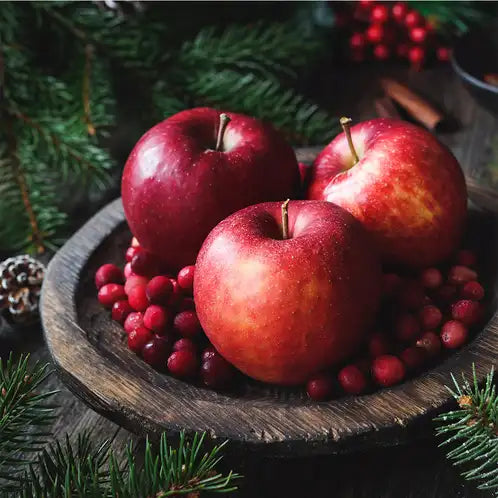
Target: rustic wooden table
(416, 470)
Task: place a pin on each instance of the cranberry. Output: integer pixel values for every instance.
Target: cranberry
(453, 334)
(381, 52)
(156, 351)
(187, 324)
(127, 270)
(131, 252)
(183, 363)
(430, 342)
(391, 283)
(133, 321)
(459, 275)
(110, 293)
(406, 327)
(185, 278)
(431, 278)
(145, 263)
(121, 310)
(412, 296)
(379, 13)
(467, 311)
(416, 55)
(134, 242)
(108, 274)
(445, 294)
(137, 339)
(472, 290)
(184, 343)
(388, 370)
(357, 41)
(466, 258)
(375, 33)
(133, 281)
(412, 19)
(138, 298)
(413, 357)
(159, 290)
(443, 54)
(216, 372)
(209, 352)
(320, 387)
(176, 295)
(430, 317)
(187, 304)
(418, 34)
(378, 345)
(156, 318)
(352, 379)
(399, 10)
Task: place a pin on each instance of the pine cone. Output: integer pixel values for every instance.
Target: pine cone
(21, 278)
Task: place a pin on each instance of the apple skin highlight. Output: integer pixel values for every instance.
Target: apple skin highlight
(283, 310)
(407, 189)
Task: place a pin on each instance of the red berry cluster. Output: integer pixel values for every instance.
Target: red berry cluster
(158, 314)
(421, 316)
(384, 30)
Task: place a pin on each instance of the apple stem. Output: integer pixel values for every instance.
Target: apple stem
(346, 126)
(224, 120)
(285, 220)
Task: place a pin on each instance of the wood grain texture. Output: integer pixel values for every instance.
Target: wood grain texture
(89, 352)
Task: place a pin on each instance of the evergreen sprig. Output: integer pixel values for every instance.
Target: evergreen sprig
(25, 416)
(472, 430)
(86, 470)
(32, 468)
(51, 125)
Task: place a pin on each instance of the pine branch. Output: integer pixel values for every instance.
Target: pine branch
(266, 49)
(173, 471)
(25, 416)
(300, 120)
(29, 218)
(92, 471)
(16, 174)
(135, 42)
(50, 148)
(240, 69)
(472, 431)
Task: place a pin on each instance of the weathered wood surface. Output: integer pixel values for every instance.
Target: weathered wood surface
(418, 469)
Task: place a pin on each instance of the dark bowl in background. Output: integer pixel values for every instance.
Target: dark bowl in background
(474, 55)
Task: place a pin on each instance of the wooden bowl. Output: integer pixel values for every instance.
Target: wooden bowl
(90, 354)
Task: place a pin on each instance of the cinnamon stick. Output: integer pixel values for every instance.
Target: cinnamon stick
(413, 104)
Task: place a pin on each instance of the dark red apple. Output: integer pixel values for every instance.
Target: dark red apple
(282, 309)
(406, 188)
(178, 182)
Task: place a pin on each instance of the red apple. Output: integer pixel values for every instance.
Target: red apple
(178, 182)
(406, 188)
(282, 309)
